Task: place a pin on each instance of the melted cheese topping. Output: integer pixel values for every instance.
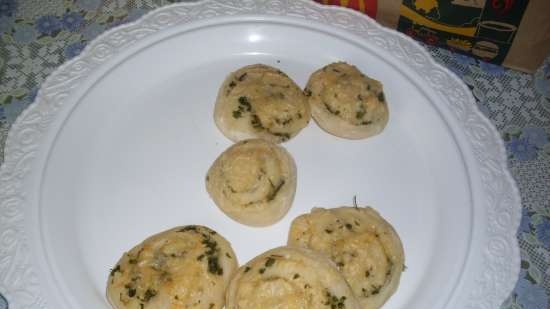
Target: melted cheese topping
(259, 101)
(290, 278)
(253, 182)
(185, 267)
(365, 248)
(346, 103)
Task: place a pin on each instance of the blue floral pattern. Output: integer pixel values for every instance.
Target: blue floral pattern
(73, 50)
(530, 295)
(526, 144)
(72, 21)
(48, 24)
(7, 7)
(522, 149)
(518, 104)
(543, 233)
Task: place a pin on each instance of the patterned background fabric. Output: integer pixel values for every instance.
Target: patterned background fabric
(36, 36)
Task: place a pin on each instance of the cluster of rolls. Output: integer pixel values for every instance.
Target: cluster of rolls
(336, 258)
(339, 258)
(259, 107)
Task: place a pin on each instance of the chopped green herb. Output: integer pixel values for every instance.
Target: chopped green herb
(131, 292)
(246, 269)
(232, 84)
(212, 251)
(283, 122)
(256, 122)
(349, 226)
(367, 273)
(283, 136)
(276, 190)
(193, 228)
(114, 270)
(366, 123)
(245, 102)
(328, 231)
(228, 255)
(270, 261)
(210, 244)
(237, 114)
(261, 271)
(242, 77)
(335, 302)
(331, 110)
(150, 293)
(214, 266)
(307, 92)
(296, 276)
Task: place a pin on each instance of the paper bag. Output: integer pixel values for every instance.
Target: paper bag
(512, 33)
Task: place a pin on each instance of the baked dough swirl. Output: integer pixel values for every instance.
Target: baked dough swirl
(346, 103)
(184, 267)
(253, 182)
(364, 246)
(259, 101)
(290, 278)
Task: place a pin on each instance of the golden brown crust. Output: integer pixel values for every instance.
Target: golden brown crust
(346, 103)
(184, 267)
(253, 182)
(292, 278)
(364, 246)
(259, 101)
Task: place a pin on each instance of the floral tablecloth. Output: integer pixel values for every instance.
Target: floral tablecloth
(36, 36)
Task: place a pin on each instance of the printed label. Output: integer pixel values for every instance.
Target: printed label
(481, 28)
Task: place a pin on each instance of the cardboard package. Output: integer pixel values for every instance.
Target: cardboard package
(512, 33)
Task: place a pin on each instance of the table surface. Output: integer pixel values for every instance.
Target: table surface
(36, 36)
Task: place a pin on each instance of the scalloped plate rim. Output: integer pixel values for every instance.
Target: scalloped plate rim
(18, 125)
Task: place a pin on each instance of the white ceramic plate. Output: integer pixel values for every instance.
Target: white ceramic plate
(117, 145)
